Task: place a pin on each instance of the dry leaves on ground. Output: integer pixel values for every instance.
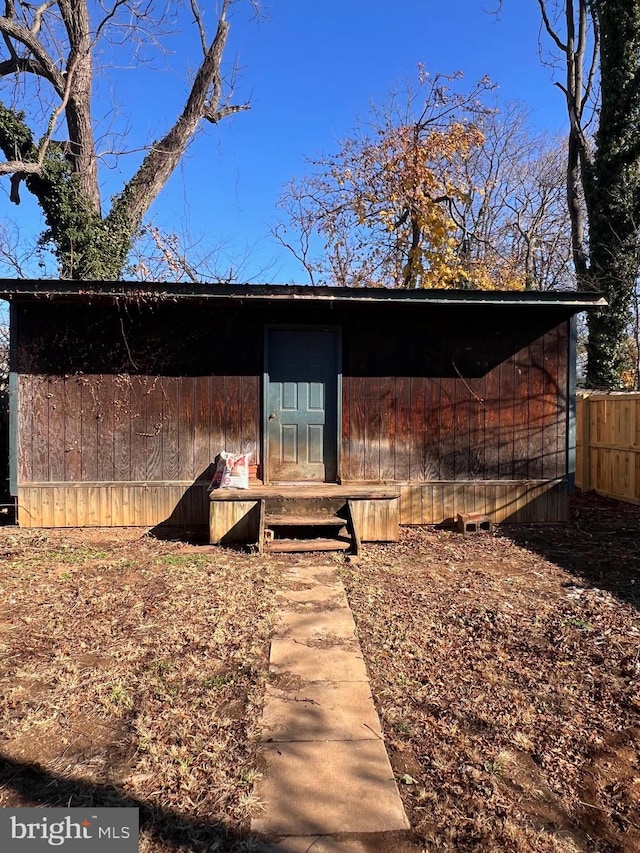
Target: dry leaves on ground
(133, 673)
(506, 670)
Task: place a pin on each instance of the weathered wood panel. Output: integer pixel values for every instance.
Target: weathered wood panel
(186, 504)
(355, 449)
(440, 397)
(122, 408)
(106, 428)
(55, 395)
(503, 501)
(233, 417)
(447, 415)
(376, 520)
(249, 427)
(154, 405)
(203, 438)
(26, 387)
(39, 422)
(92, 407)
(170, 429)
(608, 445)
(113, 504)
(72, 431)
(537, 418)
(389, 424)
(234, 522)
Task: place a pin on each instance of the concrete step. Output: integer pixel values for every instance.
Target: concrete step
(274, 546)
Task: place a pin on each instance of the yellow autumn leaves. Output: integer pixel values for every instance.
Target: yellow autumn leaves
(387, 209)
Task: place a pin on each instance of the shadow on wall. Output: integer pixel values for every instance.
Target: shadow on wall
(189, 520)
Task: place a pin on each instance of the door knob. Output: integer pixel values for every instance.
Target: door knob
(272, 416)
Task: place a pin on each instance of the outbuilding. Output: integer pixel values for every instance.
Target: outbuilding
(412, 405)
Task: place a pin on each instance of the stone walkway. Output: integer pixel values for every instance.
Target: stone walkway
(327, 783)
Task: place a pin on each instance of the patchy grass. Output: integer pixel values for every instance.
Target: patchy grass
(133, 673)
(506, 672)
(505, 668)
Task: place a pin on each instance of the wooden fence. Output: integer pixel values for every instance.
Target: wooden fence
(608, 444)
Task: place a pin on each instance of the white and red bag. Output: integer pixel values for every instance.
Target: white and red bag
(232, 472)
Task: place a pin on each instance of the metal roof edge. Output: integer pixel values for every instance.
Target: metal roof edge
(52, 289)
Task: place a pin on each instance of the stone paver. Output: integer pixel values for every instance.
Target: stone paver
(326, 771)
(329, 787)
(332, 594)
(317, 663)
(311, 574)
(315, 625)
(323, 710)
(377, 843)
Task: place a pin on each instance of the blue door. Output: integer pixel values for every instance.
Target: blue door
(302, 404)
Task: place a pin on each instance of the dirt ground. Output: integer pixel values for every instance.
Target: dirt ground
(132, 674)
(506, 671)
(505, 668)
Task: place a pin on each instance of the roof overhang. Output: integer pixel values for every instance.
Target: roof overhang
(54, 290)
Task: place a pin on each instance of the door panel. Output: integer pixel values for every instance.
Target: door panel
(302, 394)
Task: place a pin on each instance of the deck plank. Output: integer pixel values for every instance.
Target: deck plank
(313, 490)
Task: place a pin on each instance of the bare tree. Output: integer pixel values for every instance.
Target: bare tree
(48, 71)
(158, 255)
(574, 32)
(598, 43)
(437, 190)
(513, 225)
(378, 209)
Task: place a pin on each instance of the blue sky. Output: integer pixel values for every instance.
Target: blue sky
(308, 70)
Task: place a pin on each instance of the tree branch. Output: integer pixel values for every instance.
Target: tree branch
(20, 64)
(214, 116)
(77, 100)
(547, 25)
(165, 155)
(38, 13)
(10, 167)
(21, 34)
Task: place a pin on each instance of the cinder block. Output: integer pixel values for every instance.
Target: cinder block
(473, 522)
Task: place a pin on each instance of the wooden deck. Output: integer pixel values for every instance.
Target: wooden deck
(237, 516)
(307, 490)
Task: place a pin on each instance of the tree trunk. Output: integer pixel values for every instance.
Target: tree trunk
(59, 38)
(612, 190)
(413, 267)
(79, 80)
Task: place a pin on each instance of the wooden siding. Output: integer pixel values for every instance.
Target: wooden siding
(178, 504)
(133, 428)
(507, 423)
(527, 502)
(608, 445)
(465, 410)
(376, 520)
(182, 504)
(235, 522)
